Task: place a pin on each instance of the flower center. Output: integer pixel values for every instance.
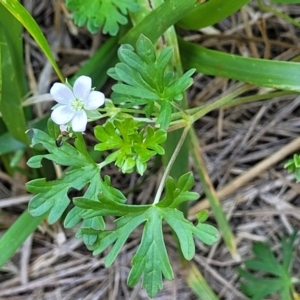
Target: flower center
(77, 104)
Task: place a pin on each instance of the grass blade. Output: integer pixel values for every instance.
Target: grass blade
(168, 14)
(97, 66)
(9, 144)
(202, 16)
(15, 236)
(23, 16)
(14, 30)
(10, 94)
(197, 283)
(211, 195)
(268, 73)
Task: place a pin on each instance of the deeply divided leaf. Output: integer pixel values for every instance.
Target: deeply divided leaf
(150, 263)
(52, 196)
(108, 14)
(151, 259)
(132, 147)
(143, 75)
(273, 276)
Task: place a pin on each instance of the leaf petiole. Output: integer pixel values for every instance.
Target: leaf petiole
(170, 164)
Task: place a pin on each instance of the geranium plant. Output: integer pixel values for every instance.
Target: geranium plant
(146, 115)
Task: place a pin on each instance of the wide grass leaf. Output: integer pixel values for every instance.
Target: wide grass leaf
(268, 73)
(10, 91)
(202, 17)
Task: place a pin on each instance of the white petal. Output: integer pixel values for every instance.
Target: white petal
(62, 114)
(79, 121)
(82, 87)
(61, 93)
(94, 100)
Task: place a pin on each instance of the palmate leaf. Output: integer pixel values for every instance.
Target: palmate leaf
(143, 79)
(258, 288)
(293, 166)
(150, 262)
(98, 13)
(52, 196)
(132, 148)
(277, 277)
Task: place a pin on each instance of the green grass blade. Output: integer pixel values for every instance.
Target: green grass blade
(202, 16)
(211, 195)
(15, 236)
(197, 283)
(268, 73)
(10, 96)
(23, 16)
(9, 144)
(14, 30)
(168, 14)
(97, 66)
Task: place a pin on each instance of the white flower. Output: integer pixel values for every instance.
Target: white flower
(72, 105)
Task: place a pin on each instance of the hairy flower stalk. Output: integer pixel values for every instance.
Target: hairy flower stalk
(73, 104)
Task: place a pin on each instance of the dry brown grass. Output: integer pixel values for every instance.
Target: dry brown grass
(263, 206)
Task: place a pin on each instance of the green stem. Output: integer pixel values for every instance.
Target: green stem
(220, 103)
(198, 112)
(170, 164)
(254, 98)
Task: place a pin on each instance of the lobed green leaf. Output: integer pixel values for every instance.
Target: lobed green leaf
(98, 13)
(276, 277)
(134, 148)
(176, 195)
(151, 259)
(143, 75)
(52, 196)
(150, 262)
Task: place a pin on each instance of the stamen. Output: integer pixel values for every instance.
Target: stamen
(77, 104)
